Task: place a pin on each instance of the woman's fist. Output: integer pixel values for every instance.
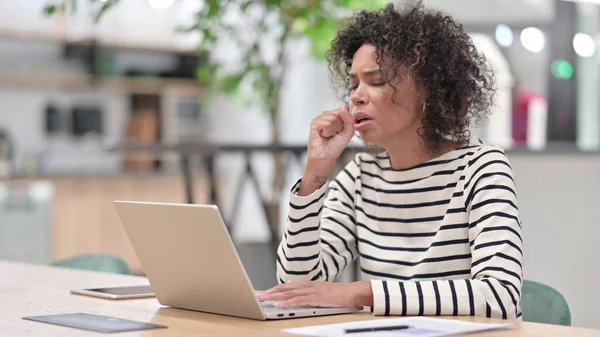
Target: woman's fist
(330, 133)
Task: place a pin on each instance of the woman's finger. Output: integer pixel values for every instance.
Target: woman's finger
(283, 296)
(297, 290)
(272, 294)
(282, 288)
(323, 125)
(278, 288)
(336, 124)
(305, 300)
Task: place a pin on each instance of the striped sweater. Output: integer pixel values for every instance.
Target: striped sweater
(440, 238)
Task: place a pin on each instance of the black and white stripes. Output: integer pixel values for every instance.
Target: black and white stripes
(441, 238)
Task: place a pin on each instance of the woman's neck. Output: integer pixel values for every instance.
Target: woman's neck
(407, 154)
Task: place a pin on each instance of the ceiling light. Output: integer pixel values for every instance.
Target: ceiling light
(533, 39)
(504, 36)
(584, 45)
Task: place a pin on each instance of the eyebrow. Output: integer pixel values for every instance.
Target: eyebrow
(367, 73)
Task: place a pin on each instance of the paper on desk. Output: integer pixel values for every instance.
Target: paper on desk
(419, 326)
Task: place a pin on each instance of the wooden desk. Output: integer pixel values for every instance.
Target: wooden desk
(27, 290)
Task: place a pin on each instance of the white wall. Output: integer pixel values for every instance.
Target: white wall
(558, 198)
(497, 11)
(588, 81)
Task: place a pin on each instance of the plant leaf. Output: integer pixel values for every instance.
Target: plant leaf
(214, 8)
(230, 83)
(103, 9)
(244, 6)
(206, 73)
(373, 5)
(49, 9)
(300, 24)
(355, 4)
(321, 36)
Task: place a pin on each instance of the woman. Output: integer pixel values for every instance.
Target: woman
(433, 218)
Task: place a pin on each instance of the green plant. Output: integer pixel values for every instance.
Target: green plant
(256, 80)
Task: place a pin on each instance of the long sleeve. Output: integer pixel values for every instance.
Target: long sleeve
(494, 230)
(320, 237)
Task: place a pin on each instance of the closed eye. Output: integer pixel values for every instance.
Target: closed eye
(377, 84)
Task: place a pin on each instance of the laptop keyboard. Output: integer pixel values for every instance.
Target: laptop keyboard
(268, 304)
(271, 305)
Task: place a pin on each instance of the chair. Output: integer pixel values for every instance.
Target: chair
(543, 304)
(96, 262)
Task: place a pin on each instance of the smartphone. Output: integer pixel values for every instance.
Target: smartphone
(117, 293)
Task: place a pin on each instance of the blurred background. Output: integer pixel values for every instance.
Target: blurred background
(209, 101)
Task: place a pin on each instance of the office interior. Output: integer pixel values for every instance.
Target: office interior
(94, 112)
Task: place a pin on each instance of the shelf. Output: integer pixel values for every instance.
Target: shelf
(62, 40)
(129, 85)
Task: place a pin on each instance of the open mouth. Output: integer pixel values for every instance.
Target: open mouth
(362, 121)
(361, 117)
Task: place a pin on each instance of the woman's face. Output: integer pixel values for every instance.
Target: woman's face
(380, 119)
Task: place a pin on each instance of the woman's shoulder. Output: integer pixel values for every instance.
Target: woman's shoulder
(482, 153)
(486, 159)
(370, 159)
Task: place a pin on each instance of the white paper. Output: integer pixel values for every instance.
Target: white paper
(419, 326)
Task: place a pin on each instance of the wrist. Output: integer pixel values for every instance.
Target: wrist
(310, 183)
(314, 177)
(363, 294)
(321, 167)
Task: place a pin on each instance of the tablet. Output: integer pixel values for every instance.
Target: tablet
(117, 293)
(94, 322)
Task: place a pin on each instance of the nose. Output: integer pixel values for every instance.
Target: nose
(359, 97)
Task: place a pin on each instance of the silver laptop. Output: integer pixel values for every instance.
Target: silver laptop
(191, 263)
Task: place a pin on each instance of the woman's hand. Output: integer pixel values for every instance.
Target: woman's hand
(320, 294)
(330, 133)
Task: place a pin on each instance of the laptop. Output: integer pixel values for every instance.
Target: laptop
(191, 263)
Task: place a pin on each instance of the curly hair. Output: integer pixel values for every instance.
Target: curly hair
(457, 86)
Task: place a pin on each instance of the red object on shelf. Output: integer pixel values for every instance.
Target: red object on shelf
(521, 105)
